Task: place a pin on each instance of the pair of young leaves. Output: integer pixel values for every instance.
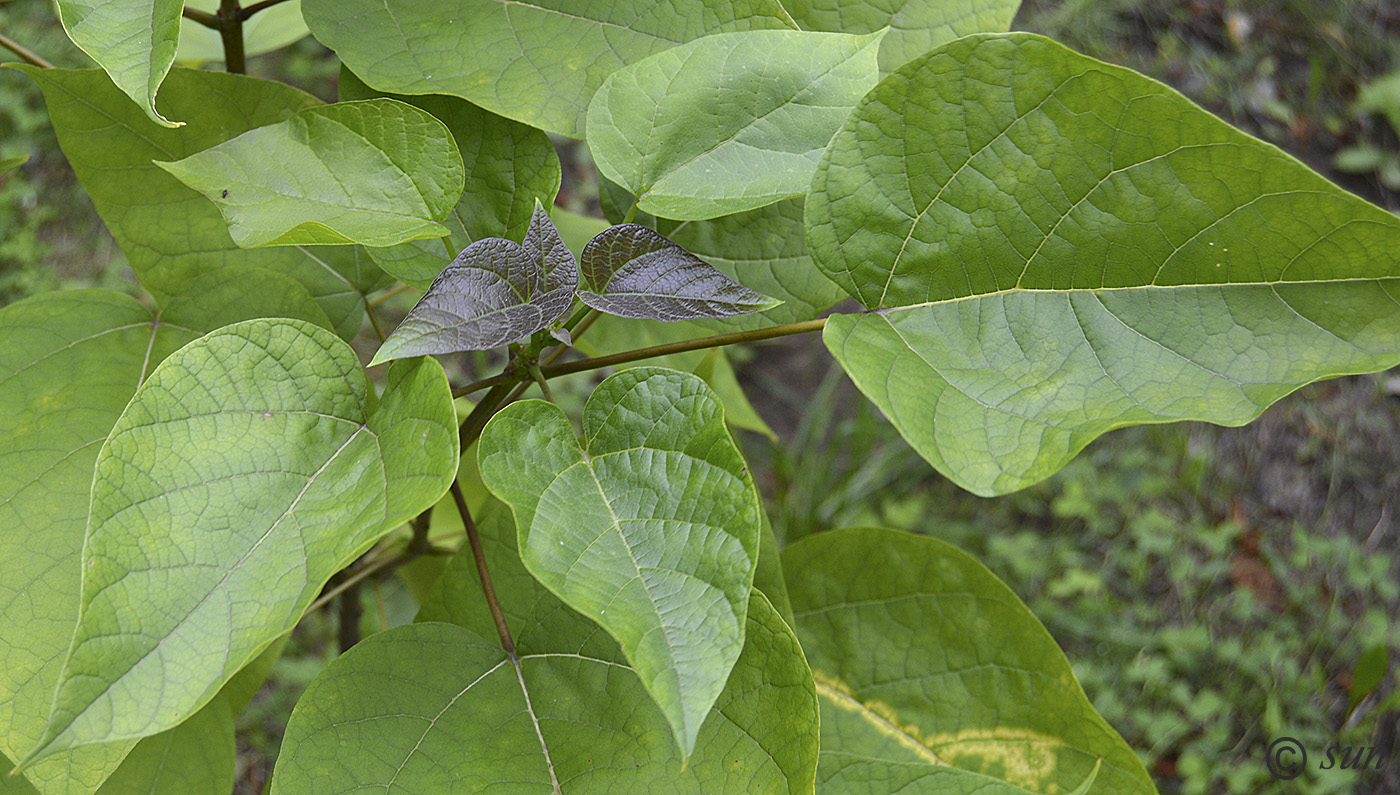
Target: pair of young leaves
(497, 291)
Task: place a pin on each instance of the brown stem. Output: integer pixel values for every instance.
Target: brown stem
(231, 31)
(507, 642)
(700, 343)
(26, 54)
(472, 425)
(204, 18)
(349, 613)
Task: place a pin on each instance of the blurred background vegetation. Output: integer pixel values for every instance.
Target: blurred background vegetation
(1214, 588)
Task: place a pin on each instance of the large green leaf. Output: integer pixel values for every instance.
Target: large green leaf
(933, 677)
(269, 29)
(509, 167)
(243, 473)
(194, 758)
(170, 233)
(1056, 247)
(730, 122)
(537, 62)
(377, 172)
(650, 529)
(71, 362)
(133, 40)
(916, 26)
(449, 711)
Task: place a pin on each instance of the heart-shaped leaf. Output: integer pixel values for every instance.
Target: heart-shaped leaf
(133, 40)
(245, 471)
(495, 292)
(51, 428)
(631, 271)
(741, 119)
(536, 62)
(650, 529)
(1056, 247)
(376, 172)
(170, 234)
(933, 677)
(509, 168)
(915, 26)
(572, 712)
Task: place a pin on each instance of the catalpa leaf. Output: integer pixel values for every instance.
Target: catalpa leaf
(495, 292)
(650, 529)
(52, 424)
(171, 234)
(245, 471)
(729, 122)
(933, 677)
(422, 693)
(915, 26)
(8, 164)
(537, 63)
(376, 172)
(631, 271)
(509, 168)
(134, 41)
(1056, 247)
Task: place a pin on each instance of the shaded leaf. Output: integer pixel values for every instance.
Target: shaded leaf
(602, 732)
(509, 167)
(134, 41)
(169, 233)
(729, 122)
(1058, 247)
(228, 295)
(631, 271)
(52, 423)
(8, 164)
(716, 371)
(915, 26)
(243, 474)
(495, 292)
(650, 529)
(764, 250)
(376, 172)
(270, 29)
(194, 758)
(538, 63)
(933, 677)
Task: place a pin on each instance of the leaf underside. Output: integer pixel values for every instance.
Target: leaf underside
(1058, 247)
(245, 472)
(449, 711)
(651, 529)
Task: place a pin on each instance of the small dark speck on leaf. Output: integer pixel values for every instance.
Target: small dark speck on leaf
(225, 196)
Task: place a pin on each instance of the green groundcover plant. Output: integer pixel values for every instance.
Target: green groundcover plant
(1025, 248)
